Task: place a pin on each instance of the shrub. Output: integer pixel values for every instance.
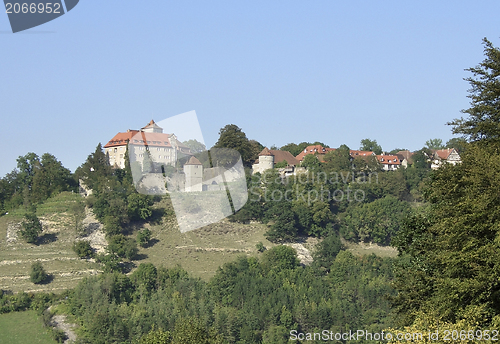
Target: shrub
(143, 237)
(38, 274)
(260, 247)
(32, 227)
(122, 246)
(83, 249)
(110, 261)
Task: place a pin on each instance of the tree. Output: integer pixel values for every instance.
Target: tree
(147, 162)
(122, 246)
(326, 251)
(295, 149)
(232, 137)
(284, 227)
(145, 277)
(279, 258)
(32, 227)
(83, 249)
(421, 159)
(371, 146)
(311, 162)
(27, 166)
(449, 265)
(139, 206)
(143, 237)
(377, 221)
(459, 143)
(483, 121)
(156, 337)
(77, 212)
(338, 160)
(255, 149)
(50, 178)
(96, 170)
(191, 330)
(195, 146)
(38, 274)
(434, 144)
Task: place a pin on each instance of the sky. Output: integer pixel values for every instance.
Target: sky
(283, 71)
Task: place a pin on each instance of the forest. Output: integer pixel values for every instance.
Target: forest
(444, 224)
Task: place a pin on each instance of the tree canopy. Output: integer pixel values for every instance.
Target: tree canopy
(483, 121)
(370, 145)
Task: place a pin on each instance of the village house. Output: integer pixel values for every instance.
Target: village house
(318, 150)
(389, 162)
(163, 148)
(441, 156)
(356, 153)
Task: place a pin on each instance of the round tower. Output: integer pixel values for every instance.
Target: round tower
(193, 171)
(266, 160)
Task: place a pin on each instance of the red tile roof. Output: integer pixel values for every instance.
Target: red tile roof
(355, 153)
(265, 152)
(151, 124)
(443, 153)
(121, 139)
(316, 149)
(193, 161)
(280, 156)
(389, 159)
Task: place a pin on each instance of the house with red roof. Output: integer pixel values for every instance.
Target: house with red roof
(317, 150)
(389, 162)
(163, 148)
(442, 156)
(356, 153)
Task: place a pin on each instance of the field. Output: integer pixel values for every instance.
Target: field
(23, 328)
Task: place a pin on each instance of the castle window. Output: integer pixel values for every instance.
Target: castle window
(115, 150)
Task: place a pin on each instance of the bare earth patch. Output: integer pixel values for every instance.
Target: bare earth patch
(95, 235)
(59, 322)
(12, 229)
(303, 253)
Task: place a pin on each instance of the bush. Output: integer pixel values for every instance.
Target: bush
(83, 249)
(110, 261)
(32, 227)
(143, 237)
(122, 246)
(260, 247)
(38, 274)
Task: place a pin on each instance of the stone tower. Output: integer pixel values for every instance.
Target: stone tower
(266, 160)
(152, 127)
(193, 170)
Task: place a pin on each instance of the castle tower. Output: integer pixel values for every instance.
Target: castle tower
(193, 171)
(152, 127)
(266, 160)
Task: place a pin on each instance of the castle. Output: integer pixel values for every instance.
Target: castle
(162, 148)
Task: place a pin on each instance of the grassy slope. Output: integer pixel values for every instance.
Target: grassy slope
(22, 328)
(200, 252)
(56, 254)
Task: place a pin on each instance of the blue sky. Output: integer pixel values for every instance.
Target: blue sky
(283, 71)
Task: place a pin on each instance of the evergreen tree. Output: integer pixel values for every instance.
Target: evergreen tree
(483, 121)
